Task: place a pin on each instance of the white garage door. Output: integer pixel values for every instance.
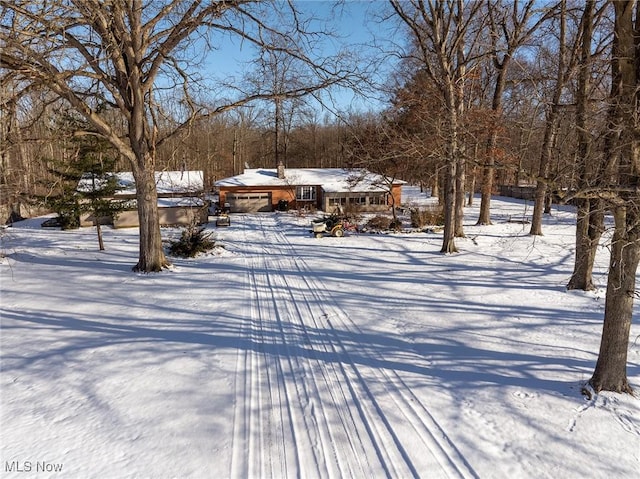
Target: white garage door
(249, 202)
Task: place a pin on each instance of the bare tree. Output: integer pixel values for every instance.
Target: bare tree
(376, 147)
(275, 73)
(126, 56)
(551, 125)
(511, 26)
(567, 59)
(94, 54)
(439, 33)
(611, 368)
(590, 208)
(25, 136)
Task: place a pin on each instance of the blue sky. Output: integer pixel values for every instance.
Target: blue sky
(352, 21)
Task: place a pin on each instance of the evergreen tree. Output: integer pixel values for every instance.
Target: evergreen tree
(84, 181)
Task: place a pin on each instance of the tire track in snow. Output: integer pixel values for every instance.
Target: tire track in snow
(291, 400)
(242, 410)
(262, 424)
(304, 408)
(338, 444)
(333, 416)
(347, 445)
(425, 428)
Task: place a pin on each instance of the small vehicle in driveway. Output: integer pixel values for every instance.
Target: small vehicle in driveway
(222, 213)
(331, 225)
(223, 220)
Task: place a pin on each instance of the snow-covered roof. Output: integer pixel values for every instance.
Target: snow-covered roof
(167, 182)
(186, 201)
(332, 180)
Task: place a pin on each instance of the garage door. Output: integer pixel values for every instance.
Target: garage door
(249, 202)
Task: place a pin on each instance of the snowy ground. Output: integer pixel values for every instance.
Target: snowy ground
(289, 356)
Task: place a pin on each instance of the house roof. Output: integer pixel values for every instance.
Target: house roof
(332, 180)
(167, 182)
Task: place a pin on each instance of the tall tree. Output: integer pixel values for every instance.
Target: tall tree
(611, 368)
(590, 208)
(439, 32)
(551, 125)
(511, 25)
(414, 124)
(275, 74)
(567, 56)
(129, 56)
(376, 147)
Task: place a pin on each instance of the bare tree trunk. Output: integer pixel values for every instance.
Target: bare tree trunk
(611, 368)
(151, 257)
(459, 147)
(590, 214)
(472, 182)
(589, 227)
(448, 242)
(487, 183)
(276, 141)
(96, 222)
(548, 201)
(541, 191)
(551, 131)
(452, 177)
(460, 195)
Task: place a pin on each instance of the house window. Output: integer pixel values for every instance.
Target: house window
(337, 201)
(378, 200)
(358, 200)
(306, 193)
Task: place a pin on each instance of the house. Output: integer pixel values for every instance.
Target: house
(325, 189)
(180, 198)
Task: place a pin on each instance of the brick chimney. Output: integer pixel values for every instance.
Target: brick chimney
(281, 170)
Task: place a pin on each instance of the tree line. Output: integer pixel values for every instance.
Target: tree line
(479, 94)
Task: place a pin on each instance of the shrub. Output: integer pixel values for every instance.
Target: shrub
(379, 223)
(194, 240)
(383, 223)
(68, 210)
(395, 225)
(428, 216)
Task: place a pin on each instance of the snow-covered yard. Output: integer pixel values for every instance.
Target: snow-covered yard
(289, 356)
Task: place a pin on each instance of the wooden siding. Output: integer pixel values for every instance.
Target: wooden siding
(172, 216)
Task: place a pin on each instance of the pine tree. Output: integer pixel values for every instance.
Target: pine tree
(85, 179)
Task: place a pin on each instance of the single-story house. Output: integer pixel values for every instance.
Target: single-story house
(326, 189)
(180, 198)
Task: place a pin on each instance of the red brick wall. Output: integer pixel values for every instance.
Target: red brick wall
(396, 191)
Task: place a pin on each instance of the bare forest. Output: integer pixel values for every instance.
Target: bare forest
(477, 98)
